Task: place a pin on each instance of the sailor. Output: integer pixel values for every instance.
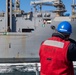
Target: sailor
(58, 52)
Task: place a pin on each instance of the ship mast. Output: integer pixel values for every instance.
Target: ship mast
(8, 15)
(10, 11)
(17, 9)
(73, 10)
(17, 4)
(60, 7)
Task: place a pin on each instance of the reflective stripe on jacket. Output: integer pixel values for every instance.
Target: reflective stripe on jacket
(53, 57)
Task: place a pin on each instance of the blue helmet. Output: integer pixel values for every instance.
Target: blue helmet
(65, 27)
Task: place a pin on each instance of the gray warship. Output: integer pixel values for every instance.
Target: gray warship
(21, 33)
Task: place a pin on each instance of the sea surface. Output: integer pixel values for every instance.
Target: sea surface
(19, 73)
(27, 69)
(20, 69)
(15, 72)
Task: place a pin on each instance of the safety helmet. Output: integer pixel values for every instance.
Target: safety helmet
(65, 27)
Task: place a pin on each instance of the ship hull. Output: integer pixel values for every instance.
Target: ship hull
(24, 47)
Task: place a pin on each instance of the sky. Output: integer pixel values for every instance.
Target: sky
(25, 5)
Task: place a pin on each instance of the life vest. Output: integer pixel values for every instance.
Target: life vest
(53, 57)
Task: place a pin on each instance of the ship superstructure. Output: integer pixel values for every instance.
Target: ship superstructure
(21, 33)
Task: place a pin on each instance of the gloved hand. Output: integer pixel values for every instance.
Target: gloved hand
(72, 41)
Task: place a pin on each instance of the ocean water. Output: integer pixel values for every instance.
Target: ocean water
(20, 69)
(15, 72)
(26, 69)
(19, 73)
